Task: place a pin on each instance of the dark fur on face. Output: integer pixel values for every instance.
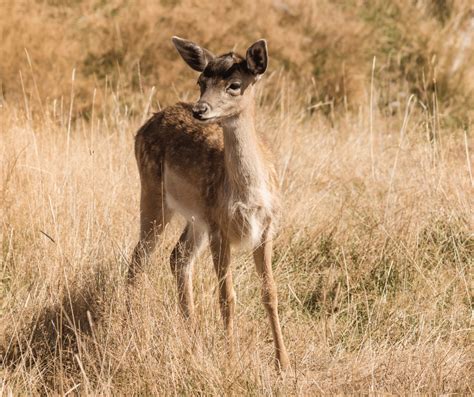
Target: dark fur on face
(226, 65)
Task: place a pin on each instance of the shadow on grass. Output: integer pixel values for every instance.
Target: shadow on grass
(52, 337)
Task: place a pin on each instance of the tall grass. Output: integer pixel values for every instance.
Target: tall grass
(373, 261)
(375, 249)
(127, 45)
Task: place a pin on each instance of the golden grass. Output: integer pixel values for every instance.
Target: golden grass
(127, 45)
(373, 262)
(374, 255)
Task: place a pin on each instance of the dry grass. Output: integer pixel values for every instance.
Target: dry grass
(375, 251)
(127, 45)
(372, 262)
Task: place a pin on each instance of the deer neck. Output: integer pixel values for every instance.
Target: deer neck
(244, 163)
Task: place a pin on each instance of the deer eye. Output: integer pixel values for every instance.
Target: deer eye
(234, 88)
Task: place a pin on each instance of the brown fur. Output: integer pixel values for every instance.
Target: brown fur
(218, 175)
(196, 150)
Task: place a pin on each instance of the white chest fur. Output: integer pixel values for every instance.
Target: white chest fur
(249, 217)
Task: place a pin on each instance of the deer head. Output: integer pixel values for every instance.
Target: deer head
(226, 81)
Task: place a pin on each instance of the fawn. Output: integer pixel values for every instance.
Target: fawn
(206, 162)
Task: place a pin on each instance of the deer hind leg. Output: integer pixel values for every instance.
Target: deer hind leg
(182, 259)
(154, 216)
(263, 262)
(220, 249)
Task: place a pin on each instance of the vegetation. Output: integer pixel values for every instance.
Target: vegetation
(375, 250)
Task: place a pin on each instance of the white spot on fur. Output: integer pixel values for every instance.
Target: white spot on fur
(256, 229)
(253, 214)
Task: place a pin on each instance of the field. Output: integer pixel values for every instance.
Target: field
(369, 114)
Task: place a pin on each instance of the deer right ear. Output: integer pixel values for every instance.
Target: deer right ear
(194, 55)
(257, 57)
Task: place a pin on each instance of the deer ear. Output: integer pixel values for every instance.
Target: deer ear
(257, 57)
(194, 55)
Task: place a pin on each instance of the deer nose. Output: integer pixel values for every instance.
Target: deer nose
(200, 109)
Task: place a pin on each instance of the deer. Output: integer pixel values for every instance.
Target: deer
(205, 161)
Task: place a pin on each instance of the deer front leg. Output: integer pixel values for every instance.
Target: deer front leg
(220, 249)
(263, 261)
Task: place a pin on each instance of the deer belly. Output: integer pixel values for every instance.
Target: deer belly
(183, 197)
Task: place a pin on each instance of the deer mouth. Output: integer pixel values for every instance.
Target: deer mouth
(205, 119)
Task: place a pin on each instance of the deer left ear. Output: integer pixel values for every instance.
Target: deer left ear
(194, 55)
(257, 57)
